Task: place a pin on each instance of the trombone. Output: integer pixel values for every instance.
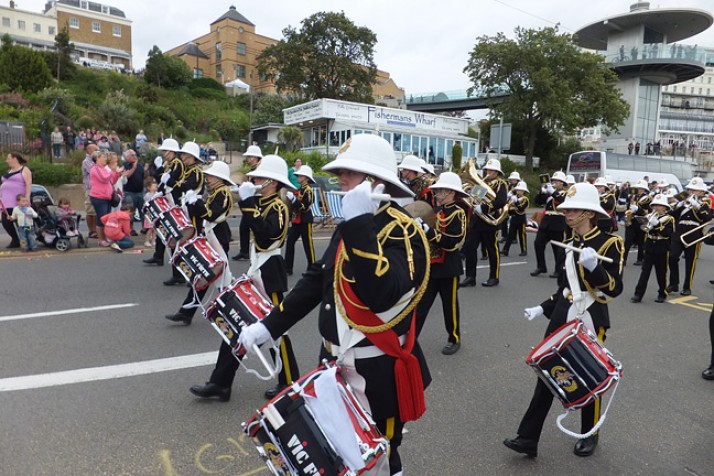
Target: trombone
(684, 237)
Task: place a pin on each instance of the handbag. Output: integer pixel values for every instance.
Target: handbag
(115, 200)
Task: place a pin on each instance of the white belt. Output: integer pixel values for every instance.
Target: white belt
(689, 222)
(366, 352)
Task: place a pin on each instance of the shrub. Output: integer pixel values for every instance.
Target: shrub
(45, 173)
(84, 122)
(180, 133)
(206, 83)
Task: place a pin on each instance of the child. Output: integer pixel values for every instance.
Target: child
(151, 189)
(117, 226)
(24, 216)
(66, 216)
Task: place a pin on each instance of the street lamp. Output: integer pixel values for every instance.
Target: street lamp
(250, 91)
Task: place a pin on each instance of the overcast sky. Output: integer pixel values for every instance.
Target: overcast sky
(423, 44)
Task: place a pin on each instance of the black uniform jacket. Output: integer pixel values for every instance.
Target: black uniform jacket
(216, 209)
(517, 210)
(267, 218)
(552, 220)
(500, 187)
(605, 279)
(607, 202)
(445, 239)
(386, 257)
(689, 218)
(175, 169)
(302, 206)
(658, 239)
(192, 179)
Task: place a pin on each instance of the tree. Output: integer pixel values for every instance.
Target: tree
(166, 71)
(60, 60)
(269, 108)
(22, 69)
(456, 154)
(291, 136)
(543, 79)
(329, 57)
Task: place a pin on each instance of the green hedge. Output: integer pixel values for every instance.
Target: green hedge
(45, 173)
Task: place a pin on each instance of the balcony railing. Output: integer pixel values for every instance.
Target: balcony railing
(656, 51)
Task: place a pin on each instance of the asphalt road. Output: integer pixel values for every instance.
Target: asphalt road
(102, 422)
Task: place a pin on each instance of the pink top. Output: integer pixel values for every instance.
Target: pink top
(13, 184)
(117, 225)
(101, 182)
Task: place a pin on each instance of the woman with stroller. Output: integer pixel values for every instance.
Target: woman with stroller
(17, 180)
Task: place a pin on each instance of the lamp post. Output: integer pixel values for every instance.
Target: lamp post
(250, 91)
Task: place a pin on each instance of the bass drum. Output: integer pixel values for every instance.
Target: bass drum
(421, 209)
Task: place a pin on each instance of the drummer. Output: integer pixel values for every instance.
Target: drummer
(376, 262)
(214, 211)
(301, 218)
(600, 281)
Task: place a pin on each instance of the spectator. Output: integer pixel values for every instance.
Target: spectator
(102, 182)
(637, 148)
(115, 144)
(160, 140)
(16, 181)
(23, 215)
(291, 173)
(68, 137)
(90, 213)
(66, 216)
(630, 148)
(151, 189)
(134, 185)
(117, 226)
(113, 164)
(139, 141)
(104, 144)
(82, 140)
(57, 141)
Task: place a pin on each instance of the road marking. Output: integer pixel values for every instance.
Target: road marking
(684, 301)
(66, 311)
(106, 373)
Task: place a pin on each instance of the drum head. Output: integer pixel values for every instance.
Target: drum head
(561, 335)
(421, 209)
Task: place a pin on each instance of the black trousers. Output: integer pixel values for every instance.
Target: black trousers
(9, 227)
(447, 289)
(486, 237)
(244, 236)
(660, 263)
(690, 262)
(392, 429)
(516, 230)
(542, 239)
(634, 236)
(303, 231)
(159, 251)
(711, 335)
(532, 423)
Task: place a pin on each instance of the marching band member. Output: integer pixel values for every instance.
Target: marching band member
(607, 202)
(689, 214)
(252, 158)
(513, 180)
(638, 206)
(215, 209)
(519, 205)
(483, 233)
(366, 286)
(552, 226)
(708, 373)
(267, 217)
(600, 281)
(660, 228)
(445, 239)
(301, 221)
(414, 177)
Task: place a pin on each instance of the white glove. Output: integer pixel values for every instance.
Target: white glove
(653, 221)
(165, 178)
(290, 195)
(513, 199)
(190, 197)
(662, 220)
(358, 201)
(694, 203)
(531, 313)
(633, 208)
(549, 188)
(588, 258)
(478, 209)
(158, 161)
(254, 334)
(246, 190)
(422, 224)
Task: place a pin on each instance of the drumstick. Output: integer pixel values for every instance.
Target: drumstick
(579, 250)
(382, 197)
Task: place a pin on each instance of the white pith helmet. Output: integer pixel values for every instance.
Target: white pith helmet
(570, 179)
(559, 175)
(253, 151)
(660, 199)
(305, 170)
(428, 168)
(170, 144)
(221, 170)
(601, 182)
(608, 180)
(641, 183)
(521, 186)
(663, 184)
(583, 196)
(515, 176)
(275, 168)
(193, 149)
(450, 181)
(411, 162)
(696, 183)
(371, 155)
(493, 164)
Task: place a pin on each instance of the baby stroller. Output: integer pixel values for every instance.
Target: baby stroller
(55, 228)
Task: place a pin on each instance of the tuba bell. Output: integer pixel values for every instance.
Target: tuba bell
(480, 193)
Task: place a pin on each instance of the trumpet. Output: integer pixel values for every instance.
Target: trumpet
(684, 237)
(481, 193)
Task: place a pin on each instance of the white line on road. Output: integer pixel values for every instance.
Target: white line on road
(106, 373)
(66, 311)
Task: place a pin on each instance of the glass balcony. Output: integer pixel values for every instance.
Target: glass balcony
(675, 52)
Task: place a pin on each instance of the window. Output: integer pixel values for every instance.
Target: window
(96, 27)
(219, 51)
(197, 73)
(6, 22)
(37, 27)
(240, 71)
(116, 30)
(240, 48)
(51, 30)
(74, 22)
(83, 4)
(21, 25)
(219, 71)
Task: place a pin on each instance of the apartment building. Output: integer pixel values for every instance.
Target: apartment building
(30, 29)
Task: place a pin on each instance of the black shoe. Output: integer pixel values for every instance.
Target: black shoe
(451, 348)
(523, 254)
(660, 299)
(538, 271)
(484, 258)
(686, 292)
(467, 282)
(636, 298)
(241, 257)
(637, 263)
(522, 445)
(504, 253)
(132, 233)
(708, 374)
(586, 446)
(554, 274)
(143, 231)
(272, 392)
(289, 271)
(211, 390)
(155, 261)
(672, 289)
(173, 280)
(490, 283)
(711, 281)
(179, 317)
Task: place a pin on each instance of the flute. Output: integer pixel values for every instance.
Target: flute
(579, 250)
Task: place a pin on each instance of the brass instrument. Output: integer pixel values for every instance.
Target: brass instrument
(684, 236)
(480, 193)
(646, 221)
(544, 178)
(628, 217)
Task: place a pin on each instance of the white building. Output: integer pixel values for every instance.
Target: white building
(29, 29)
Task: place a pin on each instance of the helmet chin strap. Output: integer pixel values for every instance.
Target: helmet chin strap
(583, 216)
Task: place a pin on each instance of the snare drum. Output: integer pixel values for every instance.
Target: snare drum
(574, 365)
(291, 440)
(240, 304)
(173, 226)
(198, 262)
(156, 207)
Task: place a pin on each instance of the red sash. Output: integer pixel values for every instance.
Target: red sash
(407, 371)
